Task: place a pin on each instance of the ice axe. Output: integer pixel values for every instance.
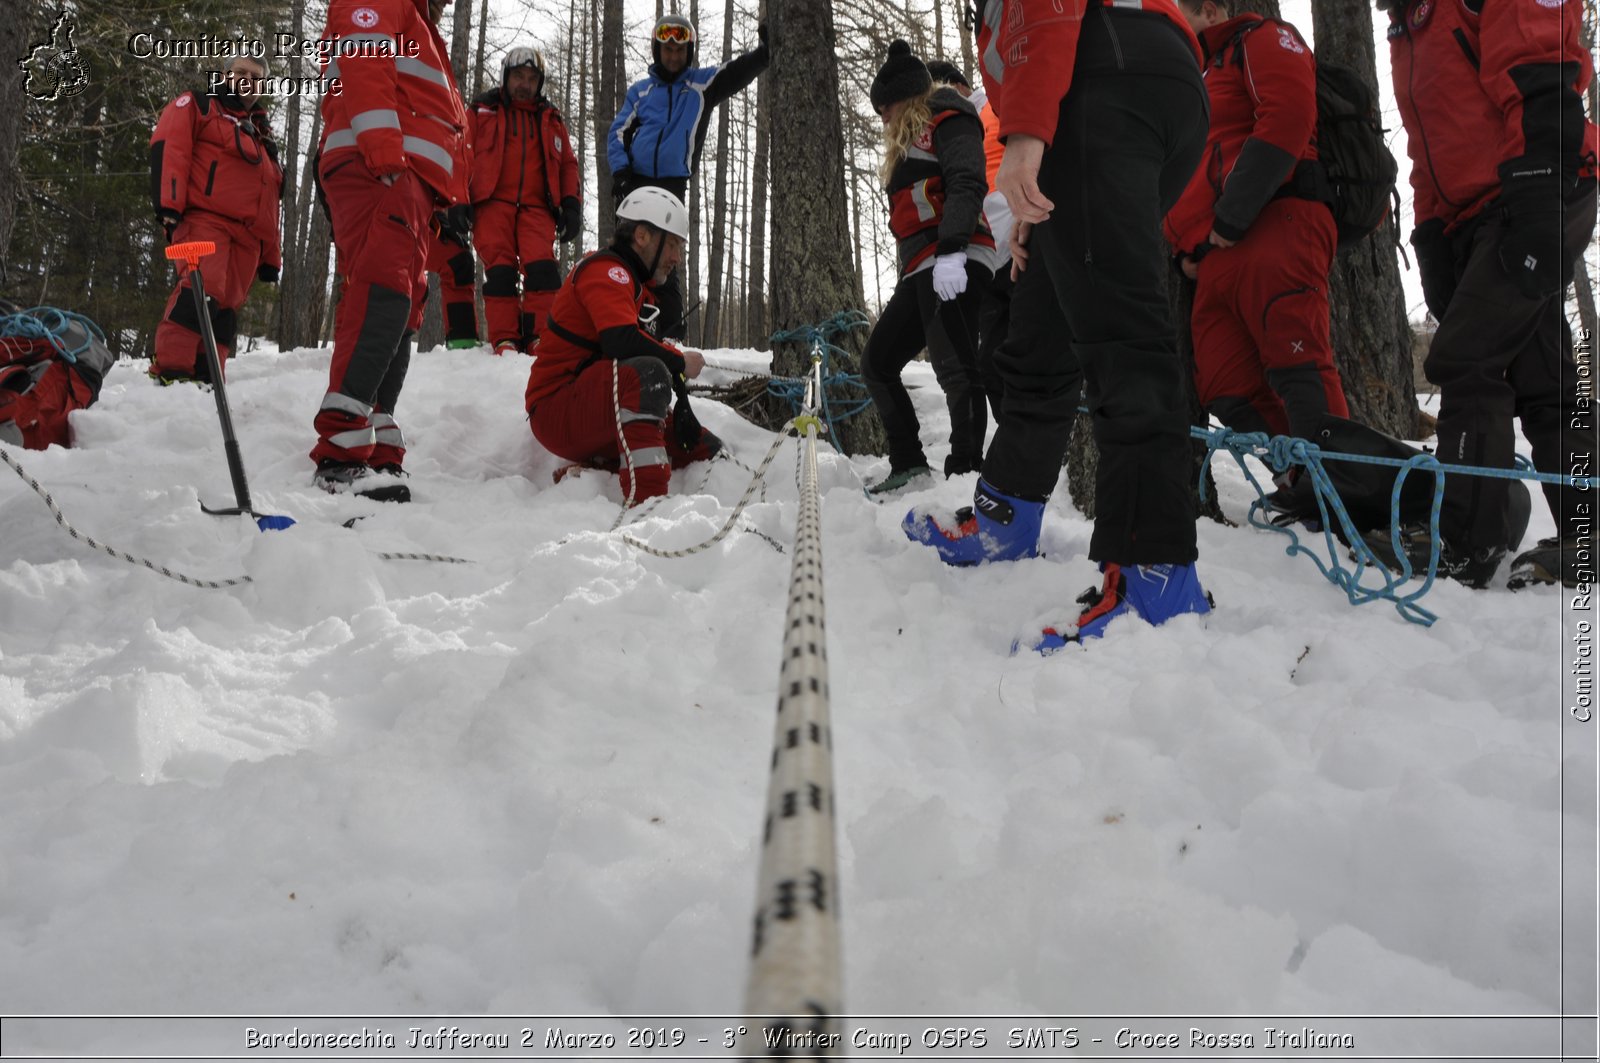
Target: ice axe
(191, 253)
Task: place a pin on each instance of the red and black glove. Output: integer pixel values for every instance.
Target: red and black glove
(169, 220)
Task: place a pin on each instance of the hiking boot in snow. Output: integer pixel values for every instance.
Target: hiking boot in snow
(1474, 568)
(1567, 562)
(461, 344)
(1154, 593)
(897, 479)
(996, 528)
(350, 477)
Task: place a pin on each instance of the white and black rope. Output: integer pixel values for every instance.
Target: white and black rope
(142, 562)
(795, 991)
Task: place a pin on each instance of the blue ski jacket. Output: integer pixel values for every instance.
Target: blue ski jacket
(661, 128)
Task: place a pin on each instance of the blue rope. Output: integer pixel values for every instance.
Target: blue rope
(50, 323)
(1280, 452)
(793, 389)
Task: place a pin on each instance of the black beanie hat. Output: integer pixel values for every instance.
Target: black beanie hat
(901, 77)
(948, 74)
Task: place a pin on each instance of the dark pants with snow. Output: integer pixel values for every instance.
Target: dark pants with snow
(915, 318)
(994, 323)
(1092, 304)
(1497, 355)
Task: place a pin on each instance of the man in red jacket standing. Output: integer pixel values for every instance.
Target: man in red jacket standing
(1103, 115)
(1255, 234)
(1503, 174)
(214, 176)
(392, 153)
(525, 184)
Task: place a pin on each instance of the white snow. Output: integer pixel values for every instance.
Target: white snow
(533, 784)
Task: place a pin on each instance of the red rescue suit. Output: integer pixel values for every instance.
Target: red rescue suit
(1480, 84)
(598, 366)
(392, 152)
(1263, 354)
(523, 170)
(1503, 177)
(214, 170)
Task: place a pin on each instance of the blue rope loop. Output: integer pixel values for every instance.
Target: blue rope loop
(1282, 452)
(51, 324)
(792, 390)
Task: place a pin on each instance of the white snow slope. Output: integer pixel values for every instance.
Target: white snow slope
(533, 784)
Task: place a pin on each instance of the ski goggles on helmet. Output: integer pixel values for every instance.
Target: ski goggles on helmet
(672, 33)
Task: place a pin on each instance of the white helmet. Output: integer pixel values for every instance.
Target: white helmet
(520, 57)
(658, 207)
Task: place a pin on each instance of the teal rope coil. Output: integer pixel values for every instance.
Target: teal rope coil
(1280, 452)
(51, 324)
(793, 389)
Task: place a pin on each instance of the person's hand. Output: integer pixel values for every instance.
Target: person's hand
(1190, 267)
(1436, 264)
(950, 275)
(621, 183)
(693, 362)
(267, 274)
(570, 227)
(458, 221)
(1019, 249)
(169, 220)
(761, 33)
(1018, 179)
(1530, 248)
(1218, 240)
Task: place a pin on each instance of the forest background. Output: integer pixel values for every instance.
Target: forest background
(789, 218)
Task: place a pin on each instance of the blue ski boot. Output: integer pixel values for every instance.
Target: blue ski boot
(1155, 593)
(997, 528)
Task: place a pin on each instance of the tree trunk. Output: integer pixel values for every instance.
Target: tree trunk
(609, 91)
(17, 37)
(483, 29)
(710, 320)
(810, 230)
(755, 291)
(460, 39)
(1371, 337)
(291, 280)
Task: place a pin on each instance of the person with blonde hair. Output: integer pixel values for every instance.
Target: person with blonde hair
(933, 169)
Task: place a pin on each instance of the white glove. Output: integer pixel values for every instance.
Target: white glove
(950, 275)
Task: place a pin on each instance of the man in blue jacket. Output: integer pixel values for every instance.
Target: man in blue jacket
(657, 136)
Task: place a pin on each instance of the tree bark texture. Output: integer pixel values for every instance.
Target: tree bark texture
(1371, 336)
(18, 35)
(609, 90)
(810, 228)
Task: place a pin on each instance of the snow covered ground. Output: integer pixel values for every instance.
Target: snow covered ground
(533, 784)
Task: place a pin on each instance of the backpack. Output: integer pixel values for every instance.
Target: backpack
(1355, 172)
(50, 364)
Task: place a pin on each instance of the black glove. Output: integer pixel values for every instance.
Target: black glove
(570, 226)
(761, 33)
(1437, 264)
(455, 223)
(267, 274)
(1530, 249)
(621, 183)
(685, 425)
(169, 220)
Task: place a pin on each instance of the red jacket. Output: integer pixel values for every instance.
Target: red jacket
(596, 315)
(1484, 82)
(546, 167)
(396, 100)
(1029, 48)
(204, 156)
(1262, 82)
(936, 192)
